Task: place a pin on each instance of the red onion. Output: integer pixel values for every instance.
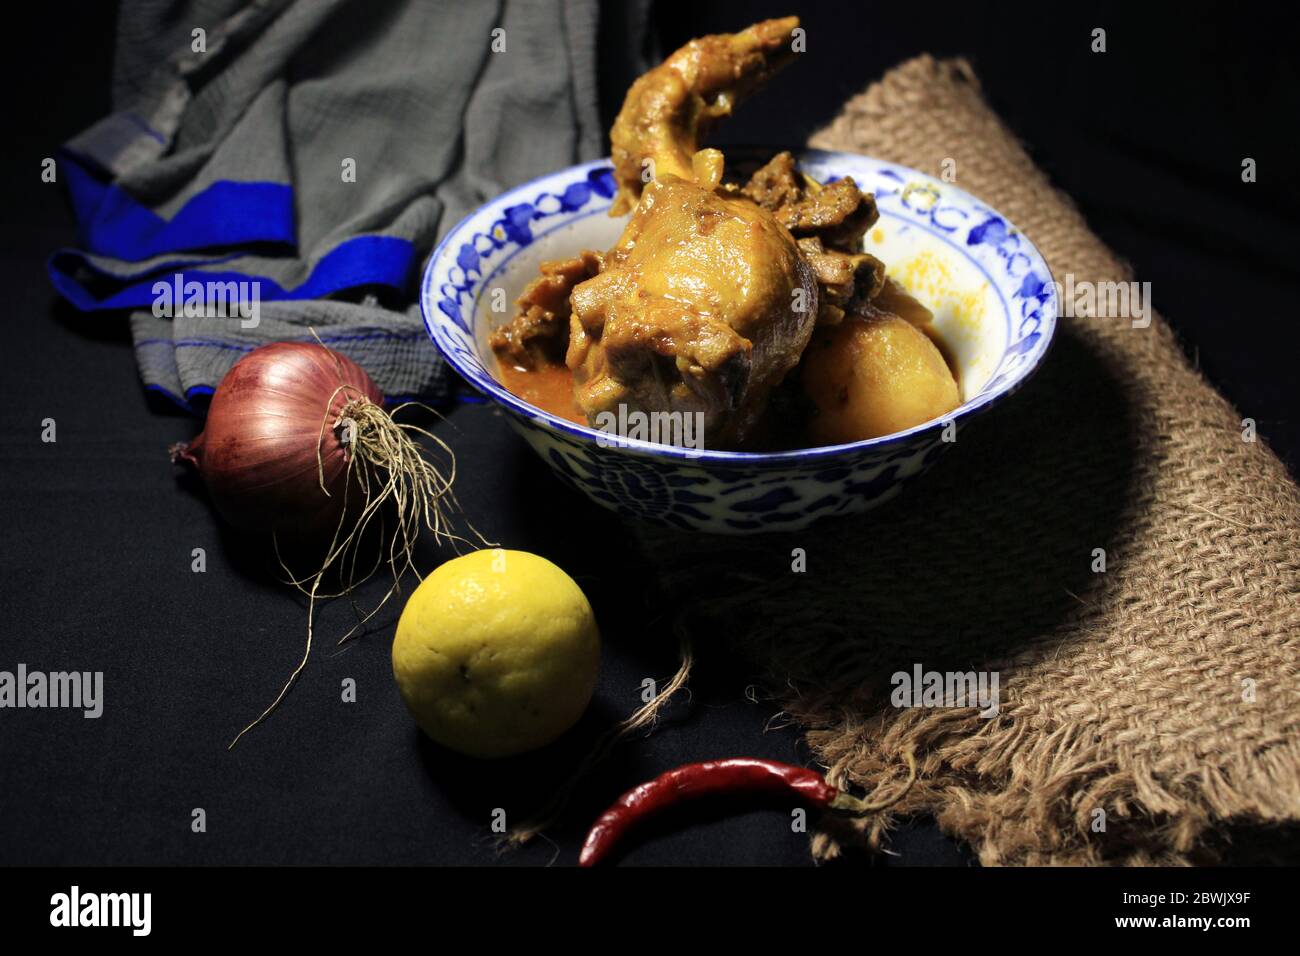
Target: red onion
(273, 412)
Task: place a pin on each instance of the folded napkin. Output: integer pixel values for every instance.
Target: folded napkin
(316, 148)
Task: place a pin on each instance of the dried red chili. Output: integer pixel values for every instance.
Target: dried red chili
(738, 775)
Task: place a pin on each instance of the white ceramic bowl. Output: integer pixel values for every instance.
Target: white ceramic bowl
(990, 290)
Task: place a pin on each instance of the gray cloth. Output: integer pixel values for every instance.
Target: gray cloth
(434, 119)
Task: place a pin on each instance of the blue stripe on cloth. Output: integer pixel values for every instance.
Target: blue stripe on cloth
(361, 260)
(225, 214)
(169, 394)
(183, 403)
(112, 223)
(145, 127)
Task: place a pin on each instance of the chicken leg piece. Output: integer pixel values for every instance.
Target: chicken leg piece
(669, 109)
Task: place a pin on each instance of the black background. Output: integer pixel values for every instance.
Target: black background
(98, 529)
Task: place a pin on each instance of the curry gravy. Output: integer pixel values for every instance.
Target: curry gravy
(549, 387)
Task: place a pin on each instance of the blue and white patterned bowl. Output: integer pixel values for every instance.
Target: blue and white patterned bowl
(993, 297)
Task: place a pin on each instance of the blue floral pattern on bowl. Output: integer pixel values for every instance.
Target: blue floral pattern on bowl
(724, 491)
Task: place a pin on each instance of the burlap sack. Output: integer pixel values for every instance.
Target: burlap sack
(1161, 692)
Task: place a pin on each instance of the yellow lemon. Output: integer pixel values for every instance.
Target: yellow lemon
(496, 653)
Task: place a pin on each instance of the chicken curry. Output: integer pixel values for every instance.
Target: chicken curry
(752, 306)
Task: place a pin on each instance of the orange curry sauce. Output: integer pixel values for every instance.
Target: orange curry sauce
(549, 387)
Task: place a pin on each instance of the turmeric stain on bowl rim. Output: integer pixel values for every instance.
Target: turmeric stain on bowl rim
(929, 278)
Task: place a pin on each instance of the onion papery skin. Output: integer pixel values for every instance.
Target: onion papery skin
(257, 453)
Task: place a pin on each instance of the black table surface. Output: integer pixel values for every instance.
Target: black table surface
(95, 568)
